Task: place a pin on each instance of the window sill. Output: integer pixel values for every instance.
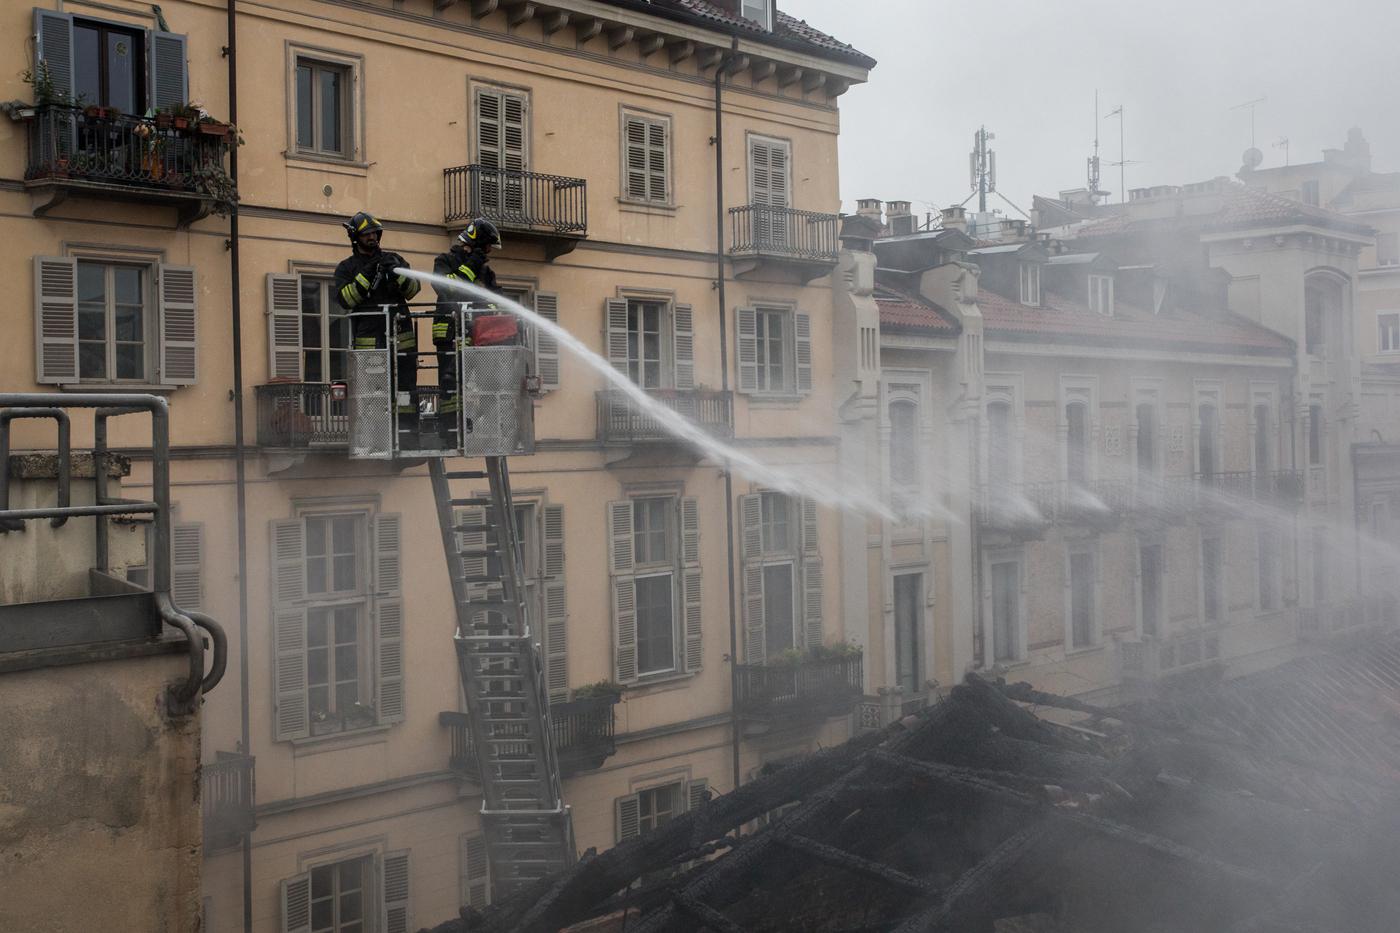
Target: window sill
(774, 400)
(646, 207)
(321, 161)
(658, 683)
(369, 735)
(107, 388)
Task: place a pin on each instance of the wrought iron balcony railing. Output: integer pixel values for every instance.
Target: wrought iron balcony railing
(1263, 486)
(622, 420)
(301, 414)
(766, 230)
(66, 144)
(584, 736)
(814, 689)
(1158, 657)
(1380, 611)
(228, 797)
(515, 200)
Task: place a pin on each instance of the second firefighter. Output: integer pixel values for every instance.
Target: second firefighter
(466, 261)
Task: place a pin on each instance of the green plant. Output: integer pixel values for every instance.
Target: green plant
(361, 712)
(46, 91)
(836, 651)
(217, 183)
(602, 688)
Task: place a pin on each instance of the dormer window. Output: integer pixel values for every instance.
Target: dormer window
(1030, 284)
(1101, 294)
(760, 11)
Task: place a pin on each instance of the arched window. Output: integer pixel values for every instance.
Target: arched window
(904, 445)
(1077, 442)
(1205, 444)
(999, 471)
(1146, 437)
(1262, 459)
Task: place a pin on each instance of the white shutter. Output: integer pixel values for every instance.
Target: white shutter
(296, 903)
(169, 76)
(628, 817)
(476, 871)
(746, 333)
(656, 161)
(768, 172)
(778, 188)
(55, 47)
(187, 565)
(388, 617)
(690, 583)
(682, 332)
(803, 329)
(624, 591)
(646, 171)
(292, 713)
(397, 916)
(751, 554)
(615, 331)
(546, 345)
(513, 153)
(284, 358)
(179, 325)
(811, 574)
(55, 318)
(488, 128)
(695, 793)
(555, 606)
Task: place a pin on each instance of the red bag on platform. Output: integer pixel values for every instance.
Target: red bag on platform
(494, 330)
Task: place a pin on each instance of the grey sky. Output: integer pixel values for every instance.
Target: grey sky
(1028, 70)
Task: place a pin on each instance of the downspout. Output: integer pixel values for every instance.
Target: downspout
(1356, 516)
(1293, 457)
(735, 725)
(236, 312)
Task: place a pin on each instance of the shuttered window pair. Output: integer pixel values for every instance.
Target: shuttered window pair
(337, 636)
(109, 323)
(639, 813)
(775, 351)
(651, 342)
(166, 78)
(646, 172)
(502, 148)
(368, 894)
(798, 575)
(647, 592)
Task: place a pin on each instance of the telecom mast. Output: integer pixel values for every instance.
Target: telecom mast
(983, 165)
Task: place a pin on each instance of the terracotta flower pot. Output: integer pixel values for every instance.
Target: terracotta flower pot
(214, 129)
(181, 123)
(162, 121)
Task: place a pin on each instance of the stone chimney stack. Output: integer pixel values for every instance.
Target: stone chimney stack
(955, 218)
(869, 208)
(1014, 230)
(898, 217)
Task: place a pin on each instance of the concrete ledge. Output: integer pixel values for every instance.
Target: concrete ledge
(92, 654)
(80, 466)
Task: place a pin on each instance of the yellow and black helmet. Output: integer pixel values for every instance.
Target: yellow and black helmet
(480, 233)
(362, 223)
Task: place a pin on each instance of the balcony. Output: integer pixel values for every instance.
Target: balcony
(228, 794)
(807, 691)
(301, 415)
(763, 234)
(621, 421)
(583, 731)
(1369, 613)
(551, 210)
(1279, 487)
(82, 154)
(1155, 658)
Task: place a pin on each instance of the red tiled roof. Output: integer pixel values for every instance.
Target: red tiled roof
(786, 27)
(900, 310)
(1242, 206)
(1062, 317)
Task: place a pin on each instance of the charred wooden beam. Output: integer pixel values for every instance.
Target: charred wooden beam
(713, 919)
(839, 858)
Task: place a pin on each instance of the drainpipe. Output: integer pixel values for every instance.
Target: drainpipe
(236, 310)
(1293, 457)
(1356, 516)
(735, 725)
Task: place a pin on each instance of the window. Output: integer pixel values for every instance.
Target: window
(908, 630)
(650, 341)
(349, 896)
(645, 810)
(760, 11)
(775, 351)
(1262, 428)
(115, 321)
(1030, 284)
(1006, 610)
(646, 171)
(502, 146)
(1081, 600)
(1312, 194)
(770, 180)
(1388, 323)
(1388, 249)
(904, 446)
(338, 623)
(644, 342)
(325, 332)
(655, 565)
(999, 466)
(338, 896)
(781, 575)
(1101, 294)
(1205, 440)
(1151, 570)
(1146, 439)
(108, 62)
(1077, 443)
(1315, 430)
(1212, 580)
(1268, 571)
(1314, 321)
(324, 108)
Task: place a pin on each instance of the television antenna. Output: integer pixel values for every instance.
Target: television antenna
(1251, 104)
(1283, 144)
(1123, 160)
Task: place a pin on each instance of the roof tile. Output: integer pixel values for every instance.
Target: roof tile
(900, 310)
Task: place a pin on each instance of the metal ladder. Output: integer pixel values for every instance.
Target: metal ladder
(529, 832)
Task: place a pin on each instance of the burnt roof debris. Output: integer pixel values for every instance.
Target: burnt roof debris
(1258, 805)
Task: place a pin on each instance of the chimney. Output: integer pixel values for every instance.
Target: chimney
(869, 208)
(898, 217)
(955, 218)
(1014, 231)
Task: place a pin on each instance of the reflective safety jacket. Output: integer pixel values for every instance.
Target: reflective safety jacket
(356, 285)
(467, 266)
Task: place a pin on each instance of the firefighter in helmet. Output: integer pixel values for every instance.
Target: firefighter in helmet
(364, 281)
(466, 261)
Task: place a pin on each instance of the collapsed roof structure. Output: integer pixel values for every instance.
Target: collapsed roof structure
(1259, 805)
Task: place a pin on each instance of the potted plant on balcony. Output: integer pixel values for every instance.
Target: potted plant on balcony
(603, 688)
(215, 182)
(211, 127)
(18, 110)
(161, 116)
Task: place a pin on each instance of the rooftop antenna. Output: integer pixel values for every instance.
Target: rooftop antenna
(1122, 159)
(1094, 159)
(1251, 104)
(1283, 144)
(983, 167)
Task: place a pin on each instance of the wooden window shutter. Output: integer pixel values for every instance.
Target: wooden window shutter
(811, 574)
(513, 152)
(624, 591)
(284, 359)
(292, 714)
(635, 133)
(811, 542)
(488, 129)
(55, 47)
(169, 75)
(397, 915)
(547, 346)
(296, 903)
(55, 318)
(683, 335)
(179, 325)
(778, 187)
(751, 554)
(615, 328)
(288, 561)
(628, 813)
(758, 171)
(556, 614)
(388, 618)
(691, 583)
(187, 565)
(656, 161)
(476, 871)
(802, 327)
(695, 793)
(746, 333)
